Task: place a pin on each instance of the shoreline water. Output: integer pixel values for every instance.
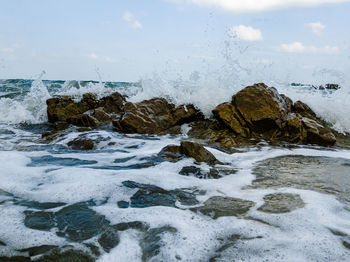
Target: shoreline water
(123, 200)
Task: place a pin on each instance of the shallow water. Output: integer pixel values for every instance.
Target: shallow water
(121, 202)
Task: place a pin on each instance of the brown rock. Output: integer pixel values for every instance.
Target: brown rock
(113, 103)
(83, 120)
(316, 133)
(261, 107)
(153, 116)
(227, 114)
(198, 152)
(101, 115)
(303, 110)
(171, 153)
(81, 144)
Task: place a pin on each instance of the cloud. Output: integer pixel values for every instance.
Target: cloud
(101, 58)
(243, 6)
(132, 21)
(298, 47)
(246, 33)
(317, 28)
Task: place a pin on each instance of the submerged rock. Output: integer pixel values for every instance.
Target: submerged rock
(171, 153)
(217, 206)
(321, 174)
(150, 195)
(81, 144)
(281, 203)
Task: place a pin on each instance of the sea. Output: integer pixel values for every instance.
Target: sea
(118, 202)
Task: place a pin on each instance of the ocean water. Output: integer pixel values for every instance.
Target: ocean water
(118, 202)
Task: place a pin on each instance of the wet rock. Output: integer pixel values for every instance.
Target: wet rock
(150, 195)
(321, 174)
(67, 256)
(15, 259)
(63, 108)
(83, 120)
(109, 239)
(81, 144)
(216, 207)
(151, 243)
(316, 133)
(113, 103)
(262, 107)
(198, 152)
(303, 109)
(2, 243)
(213, 173)
(228, 115)
(171, 153)
(153, 116)
(101, 115)
(281, 203)
(137, 225)
(34, 251)
(76, 222)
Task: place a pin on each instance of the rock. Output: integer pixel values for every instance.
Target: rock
(153, 116)
(198, 152)
(83, 120)
(303, 109)
(109, 239)
(113, 103)
(316, 133)
(171, 153)
(262, 107)
(150, 195)
(101, 115)
(65, 256)
(81, 144)
(216, 207)
(63, 108)
(281, 203)
(227, 114)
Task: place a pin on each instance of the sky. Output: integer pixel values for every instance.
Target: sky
(128, 40)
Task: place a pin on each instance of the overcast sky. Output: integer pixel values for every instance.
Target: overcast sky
(126, 40)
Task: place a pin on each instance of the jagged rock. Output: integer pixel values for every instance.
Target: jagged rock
(63, 108)
(87, 112)
(262, 107)
(228, 114)
(81, 144)
(113, 103)
(154, 116)
(101, 115)
(198, 152)
(303, 109)
(83, 120)
(260, 112)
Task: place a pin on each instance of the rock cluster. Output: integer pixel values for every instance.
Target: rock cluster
(254, 114)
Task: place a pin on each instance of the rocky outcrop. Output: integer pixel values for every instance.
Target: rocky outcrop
(88, 112)
(260, 112)
(256, 113)
(154, 116)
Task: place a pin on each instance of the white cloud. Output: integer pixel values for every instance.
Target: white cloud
(132, 21)
(316, 27)
(298, 47)
(101, 58)
(246, 33)
(239, 6)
